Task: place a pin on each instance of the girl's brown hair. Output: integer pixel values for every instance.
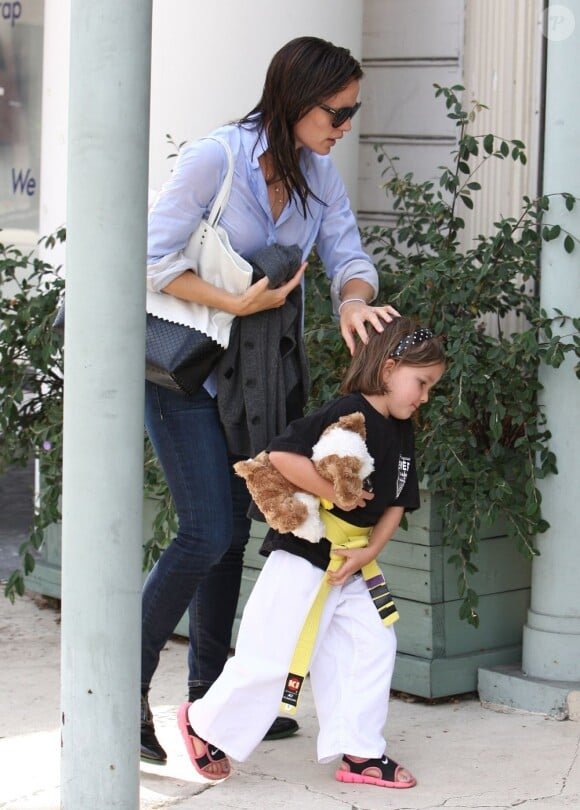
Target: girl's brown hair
(304, 72)
(402, 340)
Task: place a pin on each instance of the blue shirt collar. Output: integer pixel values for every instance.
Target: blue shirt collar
(255, 145)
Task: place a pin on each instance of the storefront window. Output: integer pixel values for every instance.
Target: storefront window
(21, 38)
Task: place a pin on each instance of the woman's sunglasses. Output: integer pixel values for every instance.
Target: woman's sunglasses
(340, 116)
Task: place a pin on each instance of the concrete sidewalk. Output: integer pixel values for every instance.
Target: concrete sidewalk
(464, 756)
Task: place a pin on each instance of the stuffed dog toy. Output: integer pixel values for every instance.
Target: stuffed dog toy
(340, 455)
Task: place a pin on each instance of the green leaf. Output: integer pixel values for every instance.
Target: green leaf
(488, 144)
(544, 203)
(569, 244)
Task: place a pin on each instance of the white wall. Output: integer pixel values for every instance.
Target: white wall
(209, 62)
(503, 69)
(53, 150)
(407, 46)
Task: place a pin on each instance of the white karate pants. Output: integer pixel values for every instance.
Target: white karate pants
(350, 670)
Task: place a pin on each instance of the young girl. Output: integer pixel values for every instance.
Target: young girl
(354, 653)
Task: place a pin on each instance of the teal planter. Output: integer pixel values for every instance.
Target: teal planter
(438, 653)
(46, 577)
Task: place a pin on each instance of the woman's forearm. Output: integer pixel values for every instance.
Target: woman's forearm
(357, 288)
(257, 298)
(190, 287)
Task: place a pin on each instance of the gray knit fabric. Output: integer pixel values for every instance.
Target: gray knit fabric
(265, 367)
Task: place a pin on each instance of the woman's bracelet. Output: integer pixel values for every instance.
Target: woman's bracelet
(350, 301)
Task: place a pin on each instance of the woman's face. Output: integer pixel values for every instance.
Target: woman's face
(315, 129)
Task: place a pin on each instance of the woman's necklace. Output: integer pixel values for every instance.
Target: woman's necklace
(277, 193)
(276, 187)
(276, 190)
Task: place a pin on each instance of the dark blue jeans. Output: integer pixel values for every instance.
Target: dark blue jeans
(202, 566)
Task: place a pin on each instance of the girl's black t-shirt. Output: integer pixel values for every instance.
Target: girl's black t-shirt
(393, 482)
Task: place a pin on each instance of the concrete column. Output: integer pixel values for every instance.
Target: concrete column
(549, 678)
(552, 633)
(103, 402)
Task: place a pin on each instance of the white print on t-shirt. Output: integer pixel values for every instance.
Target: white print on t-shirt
(404, 465)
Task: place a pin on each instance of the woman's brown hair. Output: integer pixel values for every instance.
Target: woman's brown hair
(402, 340)
(304, 72)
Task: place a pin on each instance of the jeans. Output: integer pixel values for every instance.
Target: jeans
(202, 566)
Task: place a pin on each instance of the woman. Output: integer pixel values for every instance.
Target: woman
(285, 190)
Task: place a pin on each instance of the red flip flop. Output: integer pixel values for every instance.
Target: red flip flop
(365, 772)
(210, 755)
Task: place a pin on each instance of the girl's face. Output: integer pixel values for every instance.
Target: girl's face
(408, 386)
(315, 129)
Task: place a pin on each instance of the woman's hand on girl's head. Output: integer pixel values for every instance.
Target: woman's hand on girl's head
(354, 315)
(259, 296)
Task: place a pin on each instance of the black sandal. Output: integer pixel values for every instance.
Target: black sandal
(211, 754)
(351, 771)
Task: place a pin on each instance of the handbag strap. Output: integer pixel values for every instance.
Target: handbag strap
(223, 194)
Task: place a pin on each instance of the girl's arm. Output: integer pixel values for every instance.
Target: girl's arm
(355, 558)
(301, 472)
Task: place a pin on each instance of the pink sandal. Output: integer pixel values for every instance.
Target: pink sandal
(210, 755)
(351, 771)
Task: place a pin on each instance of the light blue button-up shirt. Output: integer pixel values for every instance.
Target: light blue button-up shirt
(198, 175)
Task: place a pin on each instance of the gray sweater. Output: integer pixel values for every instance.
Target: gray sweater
(263, 380)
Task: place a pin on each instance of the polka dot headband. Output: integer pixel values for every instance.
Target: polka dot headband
(420, 335)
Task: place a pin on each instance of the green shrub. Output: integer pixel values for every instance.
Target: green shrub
(483, 441)
(31, 386)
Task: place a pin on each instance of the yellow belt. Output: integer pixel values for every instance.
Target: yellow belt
(342, 535)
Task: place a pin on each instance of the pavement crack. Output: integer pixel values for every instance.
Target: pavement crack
(573, 760)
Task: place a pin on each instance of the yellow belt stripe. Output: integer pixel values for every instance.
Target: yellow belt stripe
(342, 535)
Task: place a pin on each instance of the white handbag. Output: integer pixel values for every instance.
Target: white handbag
(175, 358)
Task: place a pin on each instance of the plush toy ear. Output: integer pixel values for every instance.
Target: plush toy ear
(243, 468)
(284, 512)
(354, 422)
(344, 473)
(252, 465)
(272, 493)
